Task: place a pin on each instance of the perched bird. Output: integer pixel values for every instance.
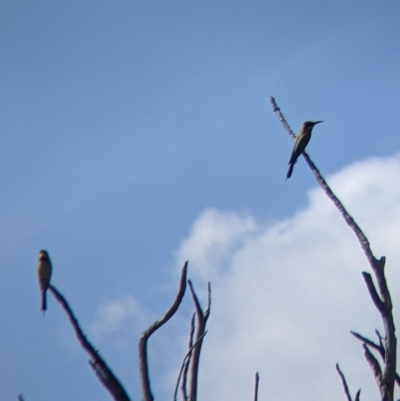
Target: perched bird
(300, 144)
(44, 274)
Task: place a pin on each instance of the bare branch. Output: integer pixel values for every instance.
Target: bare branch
(373, 293)
(376, 369)
(344, 382)
(187, 358)
(281, 118)
(202, 318)
(143, 362)
(208, 310)
(187, 363)
(256, 387)
(381, 344)
(107, 377)
(380, 348)
(389, 375)
(358, 395)
(370, 343)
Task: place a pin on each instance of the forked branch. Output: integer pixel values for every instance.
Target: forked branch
(378, 347)
(143, 362)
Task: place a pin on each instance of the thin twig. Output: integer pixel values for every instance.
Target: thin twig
(344, 383)
(107, 377)
(143, 362)
(202, 318)
(256, 387)
(381, 344)
(185, 359)
(373, 293)
(370, 343)
(187, 363)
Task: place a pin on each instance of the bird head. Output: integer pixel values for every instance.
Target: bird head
(43, 255)
(310, 124)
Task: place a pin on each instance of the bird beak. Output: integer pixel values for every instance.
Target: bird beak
(317, 122)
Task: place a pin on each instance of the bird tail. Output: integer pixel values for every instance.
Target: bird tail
(290, 171)
(44, 303)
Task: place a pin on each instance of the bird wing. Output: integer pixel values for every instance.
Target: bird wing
(299, 146)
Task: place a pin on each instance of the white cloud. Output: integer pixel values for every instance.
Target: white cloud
(117, 319)
(214, 238)
(285, 296)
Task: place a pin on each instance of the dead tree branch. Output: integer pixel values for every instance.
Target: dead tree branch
(380, 340)
(256, 387)
(373, 292)
(345, 386)
(370, 343)
(378, 347)
(103, 372)
(376, 369)
(143, 362)
(202, 318)
(381, 300)
(185, 362)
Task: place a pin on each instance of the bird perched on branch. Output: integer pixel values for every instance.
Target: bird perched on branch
(44, 274)
(300, 144)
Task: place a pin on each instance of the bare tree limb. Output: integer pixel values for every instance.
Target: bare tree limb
(382, 301)
(107, 377)
(373, 293)
(143, 362)
(381, 343)
(380, 348)
(187, 363)
(344, 383)
(202, 318)
(358, 395)
(376, 369)
(256, 387)
(208, 310)
(187, 358)
(370, 343)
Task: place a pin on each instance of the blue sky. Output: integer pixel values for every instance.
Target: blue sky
(136, 135)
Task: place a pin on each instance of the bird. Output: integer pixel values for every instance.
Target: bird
(44, 269)
(300, 144)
